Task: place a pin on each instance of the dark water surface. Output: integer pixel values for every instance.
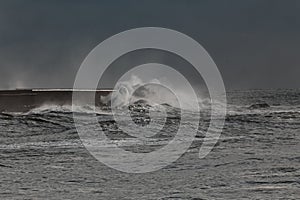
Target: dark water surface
(257, 156)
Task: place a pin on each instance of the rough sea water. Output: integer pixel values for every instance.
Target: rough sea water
(256, 157)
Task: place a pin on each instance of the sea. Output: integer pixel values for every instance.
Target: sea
(257, 155)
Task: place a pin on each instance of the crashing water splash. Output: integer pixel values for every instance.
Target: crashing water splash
(153, 93)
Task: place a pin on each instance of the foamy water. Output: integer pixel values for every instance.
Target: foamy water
(256, 157)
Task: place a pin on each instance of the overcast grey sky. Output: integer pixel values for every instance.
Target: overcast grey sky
(255, 43)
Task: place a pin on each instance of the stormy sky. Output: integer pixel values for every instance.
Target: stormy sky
(255, 43)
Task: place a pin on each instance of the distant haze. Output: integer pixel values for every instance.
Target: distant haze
(255, 43)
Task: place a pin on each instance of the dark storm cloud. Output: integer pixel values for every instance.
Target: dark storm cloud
(254, 43)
